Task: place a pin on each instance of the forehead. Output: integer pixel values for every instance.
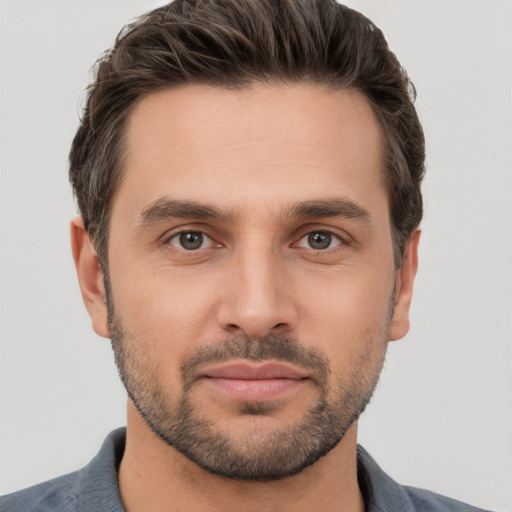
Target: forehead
(268, 143)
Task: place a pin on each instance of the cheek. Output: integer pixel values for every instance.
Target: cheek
(349, 299)
(348, 317)
(169, 312)
(163, 324)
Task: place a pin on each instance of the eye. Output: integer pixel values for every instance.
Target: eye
(319, 240)
(191, 240)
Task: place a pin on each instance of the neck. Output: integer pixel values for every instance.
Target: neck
(154, 476)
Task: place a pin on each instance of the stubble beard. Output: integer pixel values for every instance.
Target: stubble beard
(251, 455)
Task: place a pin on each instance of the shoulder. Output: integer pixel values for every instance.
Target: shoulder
(92, 488)
(427, 501)
(382, 494)
(59, 494)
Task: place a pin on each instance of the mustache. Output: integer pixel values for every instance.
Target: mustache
(266, 348)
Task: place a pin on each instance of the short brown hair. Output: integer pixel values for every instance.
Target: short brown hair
(234, 44)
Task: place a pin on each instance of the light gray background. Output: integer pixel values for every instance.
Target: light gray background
(442, 416)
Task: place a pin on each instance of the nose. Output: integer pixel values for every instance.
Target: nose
(258, 296)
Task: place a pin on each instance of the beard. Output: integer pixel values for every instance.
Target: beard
(254, 453)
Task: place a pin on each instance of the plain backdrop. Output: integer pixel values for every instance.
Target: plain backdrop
(442, 415)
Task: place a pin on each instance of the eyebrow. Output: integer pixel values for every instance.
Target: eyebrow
(333, 207)
(165, 208)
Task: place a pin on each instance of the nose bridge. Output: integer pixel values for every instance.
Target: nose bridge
(259, 300)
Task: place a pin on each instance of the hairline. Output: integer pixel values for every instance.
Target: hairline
(121, 148)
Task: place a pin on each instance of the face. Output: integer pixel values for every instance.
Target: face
(252, 288)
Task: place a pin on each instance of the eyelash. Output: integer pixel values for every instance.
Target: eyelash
(177, 234)
(333, 238)
(342, 242)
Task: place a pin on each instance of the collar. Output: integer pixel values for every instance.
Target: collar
(98, 487)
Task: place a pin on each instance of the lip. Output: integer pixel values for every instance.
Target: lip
(247, 371)
(254, 382)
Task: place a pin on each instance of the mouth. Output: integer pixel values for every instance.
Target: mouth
(254, 382)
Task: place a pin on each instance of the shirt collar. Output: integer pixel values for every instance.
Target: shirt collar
(98, 487)
(380, 492)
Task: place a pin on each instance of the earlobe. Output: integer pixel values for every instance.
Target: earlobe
(404, 288)
(90, 277)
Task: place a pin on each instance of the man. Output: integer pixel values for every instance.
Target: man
(248, 176)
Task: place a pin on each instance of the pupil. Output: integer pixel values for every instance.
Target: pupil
(320, 240)
(191, 241)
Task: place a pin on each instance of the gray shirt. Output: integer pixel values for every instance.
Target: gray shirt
(94, 488)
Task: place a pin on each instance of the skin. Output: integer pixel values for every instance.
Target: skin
(251, 154)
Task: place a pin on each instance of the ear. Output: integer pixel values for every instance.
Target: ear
(90, 277)
(404, 287)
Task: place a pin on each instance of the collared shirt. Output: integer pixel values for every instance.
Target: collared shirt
(95, 489)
